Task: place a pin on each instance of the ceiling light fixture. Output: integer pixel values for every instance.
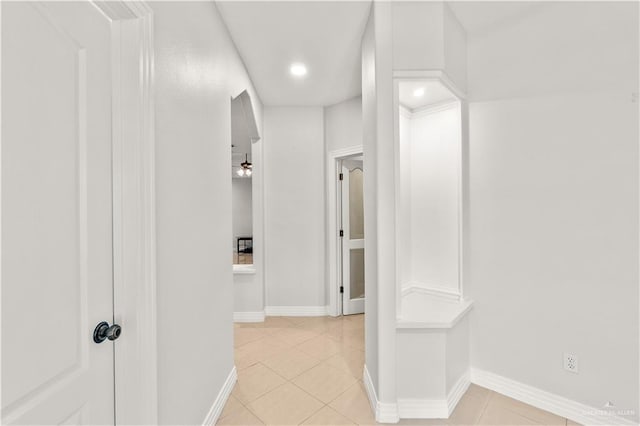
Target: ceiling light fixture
(418, 92)
(298, 70)
(246, 168)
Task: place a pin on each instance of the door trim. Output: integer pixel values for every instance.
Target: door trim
(134, 228)
(333, 258)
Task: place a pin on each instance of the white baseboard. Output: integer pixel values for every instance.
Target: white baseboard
(221, 399)
(248, 316)
(422, 408)
(387, 412)
(296, 311)
(384, 412)
(368, 386)
(556, 404)
(434, 408)
(457, 391)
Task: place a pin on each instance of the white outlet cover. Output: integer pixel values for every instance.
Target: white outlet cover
(571, 363)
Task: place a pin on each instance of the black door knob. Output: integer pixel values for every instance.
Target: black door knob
(104, 331)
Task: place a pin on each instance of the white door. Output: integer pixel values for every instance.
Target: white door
(352, 237)
(56, 214)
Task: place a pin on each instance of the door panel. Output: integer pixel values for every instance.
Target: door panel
(353, 240)
(356, 273)
(356, 201)
(56, 214)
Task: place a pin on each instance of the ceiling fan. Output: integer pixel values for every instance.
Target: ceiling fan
(246, 168)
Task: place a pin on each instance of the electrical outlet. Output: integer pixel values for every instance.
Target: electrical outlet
(571, 363)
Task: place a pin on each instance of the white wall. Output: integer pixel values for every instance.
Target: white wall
(343, 124)
(294, 206)
(197, 71)
(435, 162)
(379, 198)
(342, 130)
(385, 182)
(455, 48)
(554, 200)
(418, 35)
(404, 196)
(429, 197)
(556, 48)
(428, 36)
(371, 255)
(242, 209)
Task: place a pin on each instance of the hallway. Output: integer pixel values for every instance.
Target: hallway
(308, 370)
(193, 193)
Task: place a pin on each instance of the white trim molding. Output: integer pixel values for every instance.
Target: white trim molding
(221, 399)
(244, 269)
(296, 311)
(423, 408)
(248, 316)
(431, 290)
(441, 314)
(434, 108)
(387, 412)
(434, 408)
(347, 152)
(133, 194)
(384, 412)
(457, 391)
(435, 74)
(428, 109)
(371, 390)
(404, 111)
(333, 241)
(548, 401)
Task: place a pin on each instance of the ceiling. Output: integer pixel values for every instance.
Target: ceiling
(434, 93)
(479, 17)
(324, 35)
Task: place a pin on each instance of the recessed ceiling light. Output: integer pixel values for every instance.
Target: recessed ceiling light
(298, 69)
(418, 92)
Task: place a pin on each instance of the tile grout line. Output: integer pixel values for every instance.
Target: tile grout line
(344, 415)
(484, 407)
(512, 410)
(324, 333)
(287, 381)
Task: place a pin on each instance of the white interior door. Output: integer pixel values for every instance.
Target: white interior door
(56, 214)
(352, 237)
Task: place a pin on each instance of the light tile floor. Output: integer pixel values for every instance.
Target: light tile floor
(308, 370)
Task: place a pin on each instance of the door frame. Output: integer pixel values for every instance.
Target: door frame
(134, 227)
(333, 239)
